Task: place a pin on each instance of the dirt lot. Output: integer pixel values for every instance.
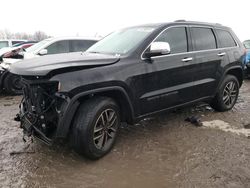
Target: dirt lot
(165, 151)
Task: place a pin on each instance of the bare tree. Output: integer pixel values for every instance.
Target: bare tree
(40, 35)
(5, 34)
(8, 34)
(2, 34)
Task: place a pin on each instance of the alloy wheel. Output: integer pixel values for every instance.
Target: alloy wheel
(105, 129)
(230, 93)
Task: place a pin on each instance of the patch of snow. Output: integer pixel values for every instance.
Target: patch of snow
(224, 126)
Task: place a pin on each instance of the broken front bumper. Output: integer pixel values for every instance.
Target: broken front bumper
(31, 129)
(39, 111)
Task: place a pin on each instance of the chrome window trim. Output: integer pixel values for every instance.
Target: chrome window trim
(169, 55)
(142, 58)
(182, 53)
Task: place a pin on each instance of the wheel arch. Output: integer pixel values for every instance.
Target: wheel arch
(237, 72)
(117, 93)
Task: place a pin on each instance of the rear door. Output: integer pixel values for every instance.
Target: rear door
(228, 46)
(208, 59)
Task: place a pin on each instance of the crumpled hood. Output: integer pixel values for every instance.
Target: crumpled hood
(41, 66)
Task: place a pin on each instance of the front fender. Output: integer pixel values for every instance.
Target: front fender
(67, 117)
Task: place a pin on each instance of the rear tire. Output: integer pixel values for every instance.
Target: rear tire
(95, 127)
(12, 84)
(227, 94)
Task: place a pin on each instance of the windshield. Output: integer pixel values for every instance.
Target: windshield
(247, 44)
(37, 46)
(3, 44)
(122, 41)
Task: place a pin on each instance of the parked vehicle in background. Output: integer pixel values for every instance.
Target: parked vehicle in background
(57, 45)
(130, 74)
(13, 52)
(9, 42)
(247, 57)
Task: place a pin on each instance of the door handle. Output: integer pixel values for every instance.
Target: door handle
(221, 54)
(187, 59)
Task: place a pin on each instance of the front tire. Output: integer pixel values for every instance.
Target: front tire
(12, 84)
(95, 127)
(227, 94)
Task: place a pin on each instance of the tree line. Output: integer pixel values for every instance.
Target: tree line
(36, 36)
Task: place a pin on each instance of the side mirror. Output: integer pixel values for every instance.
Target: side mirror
(158, 48)
(43, 52)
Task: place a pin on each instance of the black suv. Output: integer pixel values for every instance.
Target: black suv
(130, 74)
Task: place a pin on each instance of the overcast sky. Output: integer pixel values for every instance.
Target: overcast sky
(86, 18)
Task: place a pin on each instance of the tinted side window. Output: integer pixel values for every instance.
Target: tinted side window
(225, 38)
(203, 38)
(58, 47)
(16, 42)
(81, 45)
(176, 37)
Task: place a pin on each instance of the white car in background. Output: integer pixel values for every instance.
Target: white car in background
(56, 45)
(10, 42)
(9, 51)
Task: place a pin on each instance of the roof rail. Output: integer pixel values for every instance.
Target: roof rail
(180, 21)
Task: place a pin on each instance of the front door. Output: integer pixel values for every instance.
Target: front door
(168, 80)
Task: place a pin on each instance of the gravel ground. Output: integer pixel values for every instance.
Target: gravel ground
(164, 151)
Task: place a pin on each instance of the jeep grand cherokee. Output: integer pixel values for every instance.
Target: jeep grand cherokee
(130, 74)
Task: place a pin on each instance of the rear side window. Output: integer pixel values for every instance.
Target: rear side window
(225, 38)
(80, 45)
(203, 38)
(176, 37)
(58, 47)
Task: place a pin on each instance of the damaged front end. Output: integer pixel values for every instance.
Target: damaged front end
(40, 109)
